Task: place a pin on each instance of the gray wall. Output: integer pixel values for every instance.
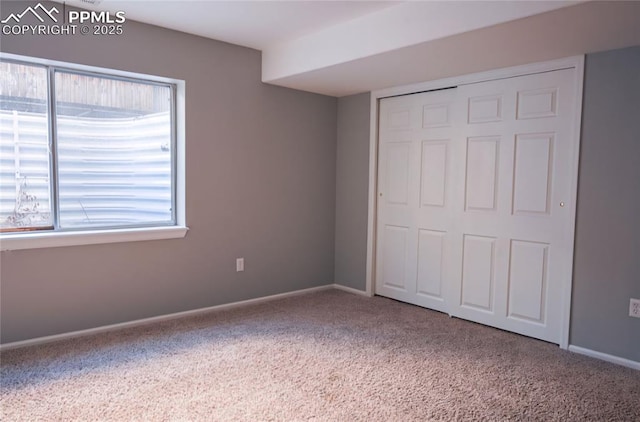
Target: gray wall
(352, 181)
(607, 254)
(260, 184)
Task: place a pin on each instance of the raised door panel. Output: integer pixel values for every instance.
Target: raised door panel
(430, 263)
(537, 103)
(482, 173)
(478, 273)
(484, 109)
(399, 119)
(528, 266)
(532, 173)
(398, 168)
(436, 115)
(434, 173)
(394, 257)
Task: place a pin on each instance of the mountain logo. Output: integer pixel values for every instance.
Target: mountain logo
(34, 11)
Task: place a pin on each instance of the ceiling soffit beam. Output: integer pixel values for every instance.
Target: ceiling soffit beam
(389, 29)
(583, 29)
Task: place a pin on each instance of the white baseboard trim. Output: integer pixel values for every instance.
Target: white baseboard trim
(156, 319)
(606, 357)
(351, 290)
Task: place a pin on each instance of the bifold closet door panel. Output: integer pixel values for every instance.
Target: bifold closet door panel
(415, 208)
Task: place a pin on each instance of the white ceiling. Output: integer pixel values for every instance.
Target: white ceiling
(344, 47)
(255, 24)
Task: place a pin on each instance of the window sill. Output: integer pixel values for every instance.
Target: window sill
(9, 242)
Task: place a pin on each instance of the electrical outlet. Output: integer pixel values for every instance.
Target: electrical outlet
(634, 308)
(239, 264)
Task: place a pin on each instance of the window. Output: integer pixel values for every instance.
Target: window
(87, 152)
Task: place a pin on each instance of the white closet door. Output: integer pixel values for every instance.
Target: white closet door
(513, 212)
(415, 197)
(474, 217)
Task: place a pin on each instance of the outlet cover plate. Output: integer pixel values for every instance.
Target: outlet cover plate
(634, 308)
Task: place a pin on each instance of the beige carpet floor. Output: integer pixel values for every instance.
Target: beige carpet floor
(325, 356)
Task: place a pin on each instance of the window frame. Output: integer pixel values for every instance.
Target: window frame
(55, 236)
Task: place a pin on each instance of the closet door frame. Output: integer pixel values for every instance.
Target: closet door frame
(575, 62)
